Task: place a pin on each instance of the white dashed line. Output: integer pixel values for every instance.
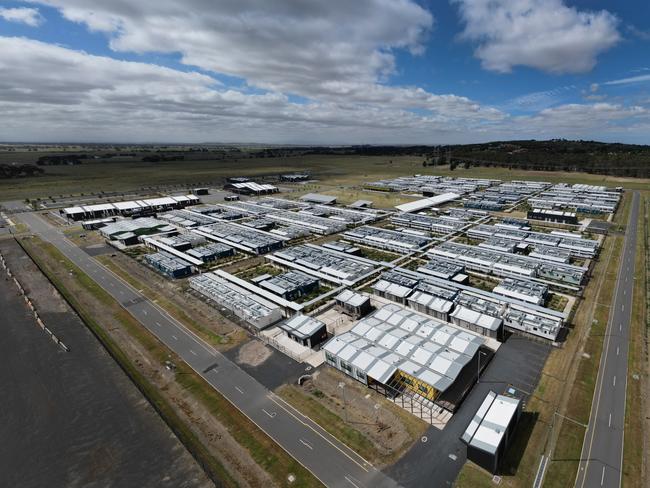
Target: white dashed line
(351, 482)
(306, 444)
(614, 383)
(239, 390)
(174, 337)
(158, 324)
(192, 352)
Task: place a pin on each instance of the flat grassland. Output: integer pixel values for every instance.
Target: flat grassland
(342, 175)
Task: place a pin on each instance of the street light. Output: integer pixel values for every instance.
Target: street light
(478, 365)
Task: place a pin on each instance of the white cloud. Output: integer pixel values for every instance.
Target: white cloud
(631, 79)
(541, 34)
(308, 48)
(579, 120)
(28, 16)
(101, 98)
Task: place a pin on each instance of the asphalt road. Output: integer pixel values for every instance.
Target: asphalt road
(330, 461)
(602, 452)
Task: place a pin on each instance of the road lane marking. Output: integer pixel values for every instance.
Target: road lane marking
(296, 415)
(144, 312)
(609, 424)
(614, 380)
(617, 350)
(239, 390)
(351, 482)
(602, 477)
(306, 444)
(270, 414)
(174, 337)
(158, 324)
(193, 352)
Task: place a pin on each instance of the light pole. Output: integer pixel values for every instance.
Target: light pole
(478, 365)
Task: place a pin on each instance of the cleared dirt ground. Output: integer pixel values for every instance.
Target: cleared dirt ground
(383, 430)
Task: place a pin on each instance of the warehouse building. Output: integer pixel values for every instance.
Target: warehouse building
(211, 252)
(255, 311)
(353, 304)
(306, 331)
(491, 430)
(240, 237)
(389, 240)
(325, 264)
(129, 208)
(131, 229)
(291, 285)
(168, 264)
(398, 352)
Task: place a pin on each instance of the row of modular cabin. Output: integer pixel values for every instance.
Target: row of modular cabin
(129, 208)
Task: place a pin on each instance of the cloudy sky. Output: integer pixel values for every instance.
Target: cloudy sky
(331, 72)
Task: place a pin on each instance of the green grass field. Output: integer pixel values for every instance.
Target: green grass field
(336, 174)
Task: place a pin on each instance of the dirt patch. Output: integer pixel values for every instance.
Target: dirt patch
(253, 353)
(390, 430)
